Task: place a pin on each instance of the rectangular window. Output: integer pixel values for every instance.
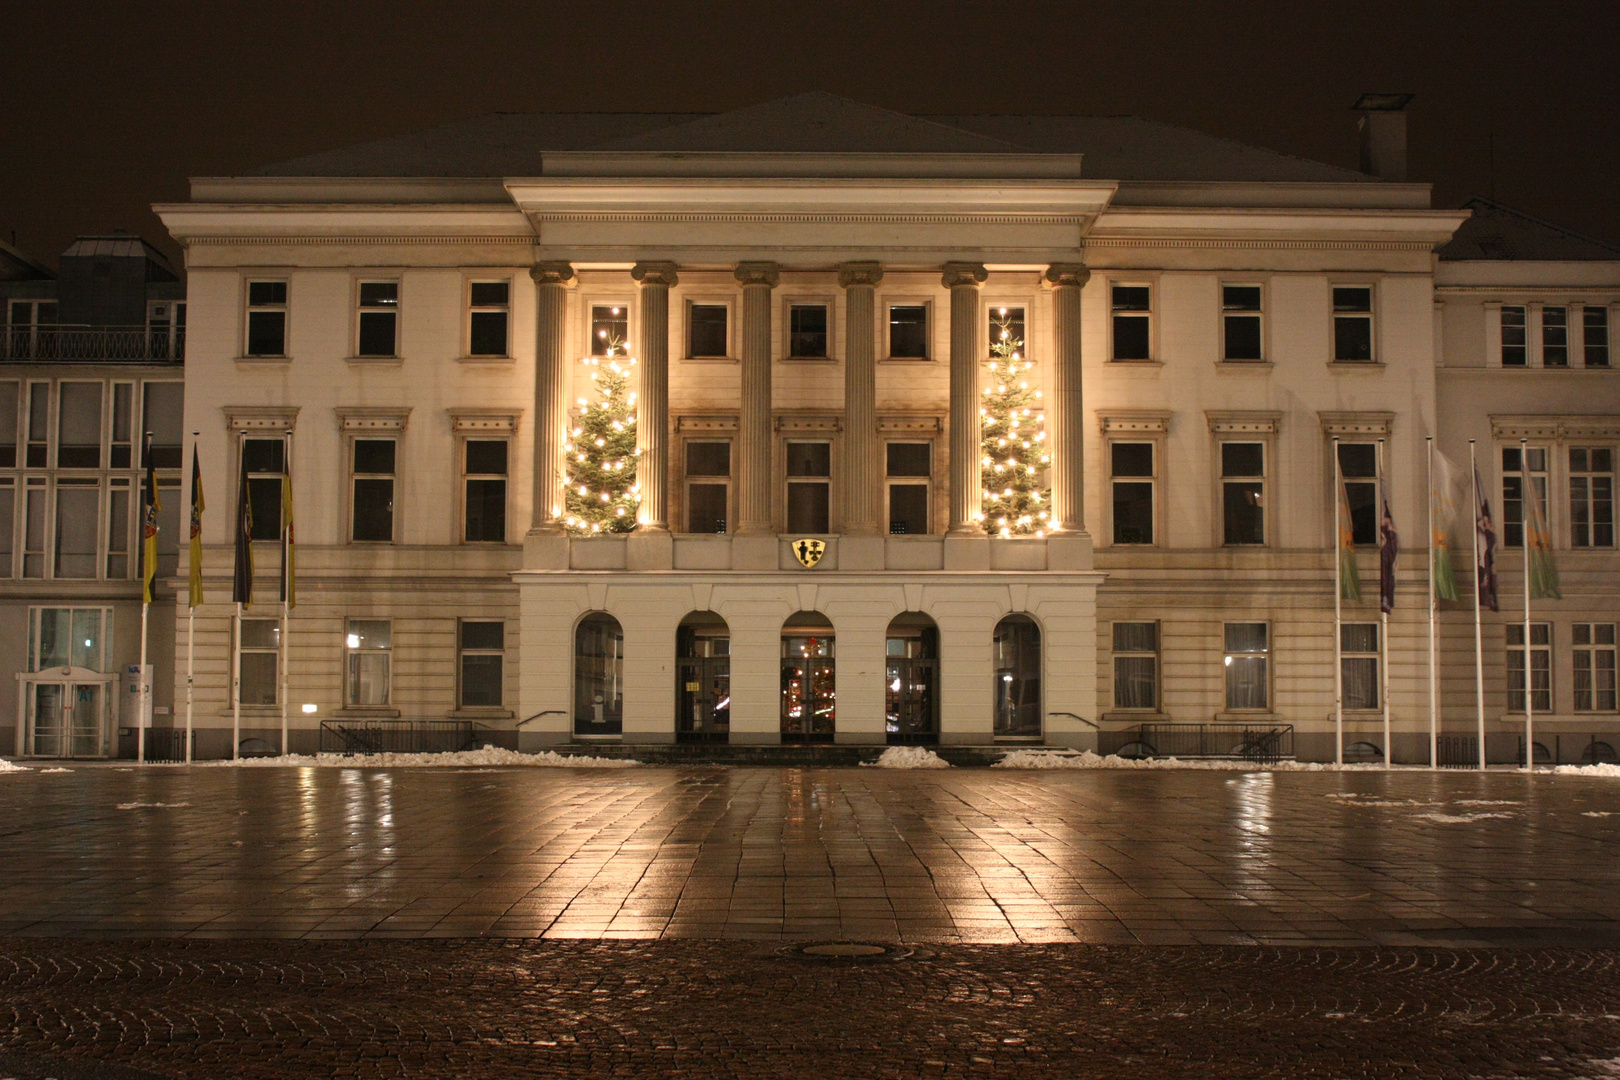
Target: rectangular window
(166, 330)
(483, 646)
(1555, 337)
(70, 637)
(163, 412)
(707, 330)
(78, 527)
(1240, 322)
(33, 330)
(1358, 664)
(1595, 324)
(1248, 673)
(121, 455)
(488, 311)
(168, 539)
(8, 526)
(1594, 657)
(1133, 478)
(1513, 475)
(1358, 464)
(39, 424)
(610, 330)
(78, 428)
(370, 647)
(8, 425)
(1352, 324)
(379, 319)
(1136, 665)
(118, 530)
(1591, 496)
(809, 470)
(1007, 325)
(708, 486)
(1132, 308)
(372, 494)
(34, 530)
(807, 331)
(267, 318)
(1540, 666)
(260, 645)
(1515, 352)
(1243, 492)
(910, 468)
(908, 331)
(484, 469)
(264, 460)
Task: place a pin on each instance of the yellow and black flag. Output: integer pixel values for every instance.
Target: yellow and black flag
(150, 505)
(242, 581)
(197, 506)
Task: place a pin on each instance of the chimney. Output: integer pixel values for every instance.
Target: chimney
(1383, 134)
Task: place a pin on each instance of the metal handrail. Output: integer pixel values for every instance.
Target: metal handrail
(538, 715)
(1073, 716)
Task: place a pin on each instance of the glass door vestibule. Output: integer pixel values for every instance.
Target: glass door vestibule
(67, 719)
(911, 681)
(809, 680)
(703, 682)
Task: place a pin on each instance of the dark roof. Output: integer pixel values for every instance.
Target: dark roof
(512, 144)
(123, 246)
(15, 266)
(1497, 234)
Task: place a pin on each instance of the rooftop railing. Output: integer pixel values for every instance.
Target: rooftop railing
(110, 344)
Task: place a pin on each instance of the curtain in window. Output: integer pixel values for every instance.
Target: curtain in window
(1134, 682)
(1360, 682)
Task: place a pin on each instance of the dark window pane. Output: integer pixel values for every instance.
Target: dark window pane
(264, 495)
(267, 292)
(1243, 459)
(267, 333)
(163, 414)
(1133, 459)
(488, 293)
(486, 457)
(373, 510)
(377, 333)
(1363, 500)
(1130, 337)
(1352, 299)
(1242, 337)
(706, 334)
(483, 635)
(379, 294)
(1358, 459)
(908, 331)
(481, 681)
(486, 511)
(1245, 519)
(1136, 637)
(807, 508)
(610, 330)
(1132, 298)
(263, 455)
(708, 459)
(1359, 637)
(809, 459)
(1352, 337)
(908, 509)
(1133, 512)
(807, 328)
(706, 508)
(910, 459)
(1596, 321)
(374, 455)
(1240, 297)
(487, 336)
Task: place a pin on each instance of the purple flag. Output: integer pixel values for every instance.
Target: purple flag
(1486, 531)
(1389, 546)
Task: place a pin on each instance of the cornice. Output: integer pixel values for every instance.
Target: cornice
(354, 239)
(1254, 244)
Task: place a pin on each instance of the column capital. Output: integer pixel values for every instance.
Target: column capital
(552, 273)
(963, 273)
(859, 273)
(655, 273)
(1066, 274)
(758, 273)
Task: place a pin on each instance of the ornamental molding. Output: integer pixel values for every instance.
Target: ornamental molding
(1357, 424)
(1135, 422)
(1061, 275)
(1508, 294)
(707, 424)
(1555, 427)
(553, 273)
(372, 418)
(484, 421)
(807, 423)
(851, 274)
(909, 424)
(329, 240)
(963, 274)
(1236, 244)
(1244, 422)
(656, 273)
(642, 217)
(260, 418)
(767, 274)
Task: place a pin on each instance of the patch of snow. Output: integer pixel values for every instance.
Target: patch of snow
(1460, 819)
(1360, 798)
(1597, 813)
(909, 757)
(488, 755)
(42, 772)
(10, 766)
(1602, 768)
(152, 805)
(1086, 759)
(1490, 802)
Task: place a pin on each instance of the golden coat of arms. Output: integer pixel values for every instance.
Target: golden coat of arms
(809, 552)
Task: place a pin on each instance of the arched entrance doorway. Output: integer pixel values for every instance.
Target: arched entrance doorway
(1018, 678)
(911, 680)
(702, 679)
(598, 675)
(809, 679)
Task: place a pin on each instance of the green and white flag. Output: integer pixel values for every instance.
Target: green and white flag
(1444, 498)
(1349, 578)
(1543, 582)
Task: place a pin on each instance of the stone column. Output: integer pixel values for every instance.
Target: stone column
(754, 425)
(652, 404)
(551, 281)
(967, 498)
(862, 472)
(1064, 404)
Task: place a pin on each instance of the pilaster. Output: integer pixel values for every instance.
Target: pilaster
(1065, 406)
(754, 427)
(862, 481)
(551, 282)
(652, 407)
(963, 280)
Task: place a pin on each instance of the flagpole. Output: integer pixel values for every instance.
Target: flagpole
(1338, 614)
(191, 612)
(1434, 610)
(140, 718)
(286, 589)
(236, 685)
(1383, 616)
(147, 573)
(1529, 488)
(1479, 645)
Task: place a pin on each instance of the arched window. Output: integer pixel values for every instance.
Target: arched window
(1018, 678)
(598, 675)
(702, 678)
(809, 679)
(911, 680)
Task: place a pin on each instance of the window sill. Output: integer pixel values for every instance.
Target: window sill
(374, 361)
(710, 360)
(366, 712)
(495, 361)
(482, 712)
(1260, 716)
(1152, 365)
(809, 360)
(906, 360)
(1134, 716)
(1356, 365)
(266, 361)
(1244, 365)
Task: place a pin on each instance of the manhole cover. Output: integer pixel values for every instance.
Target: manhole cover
(849, 950)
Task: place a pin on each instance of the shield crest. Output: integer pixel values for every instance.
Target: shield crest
(809, 552)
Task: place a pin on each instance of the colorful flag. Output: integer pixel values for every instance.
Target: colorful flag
(1349, 579)
(1485, 532)
(242, 582)
(289, 569)
(197, 506)
(151, 503)
(1543, 574)
(1442, 518)
(1389, 546)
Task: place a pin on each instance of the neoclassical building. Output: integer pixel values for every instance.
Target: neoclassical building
(809, 290)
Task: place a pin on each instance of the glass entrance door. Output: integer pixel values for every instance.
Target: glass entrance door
(47, 720)
(86, 726)
(703, 689)
(67, 720)
(911, 693)
(809, 680)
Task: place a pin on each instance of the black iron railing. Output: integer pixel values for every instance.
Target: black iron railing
(169, 744)
(105, 343)
(395, 736)
(1245, 742)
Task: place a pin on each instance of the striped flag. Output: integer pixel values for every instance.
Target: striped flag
(197, 506)
(151, 503)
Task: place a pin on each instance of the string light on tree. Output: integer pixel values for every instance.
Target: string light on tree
(1014, 440)
(600, 454)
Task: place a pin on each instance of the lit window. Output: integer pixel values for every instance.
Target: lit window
(370, 649)
(1248, 658)
(1358, 664)
(610, 330)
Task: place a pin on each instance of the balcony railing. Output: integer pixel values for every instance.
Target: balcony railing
(113, 344)
(1261, 742)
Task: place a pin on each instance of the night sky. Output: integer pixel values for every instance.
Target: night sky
(107, 108)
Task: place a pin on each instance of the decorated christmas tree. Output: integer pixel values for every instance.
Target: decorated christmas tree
(600, 455)
(1015, 456)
